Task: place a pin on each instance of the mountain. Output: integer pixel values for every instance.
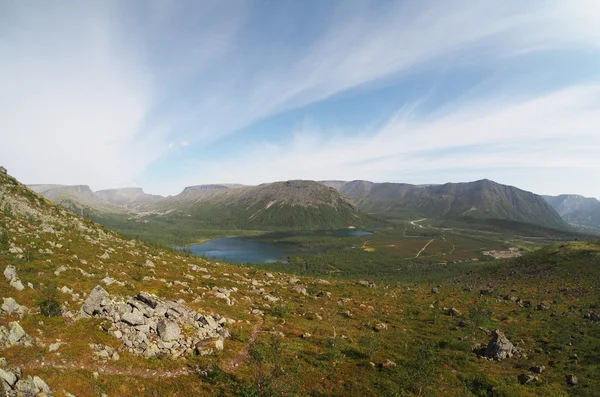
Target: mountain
(579, 211)
(77, 198)
(131, 197)
(279, 205)
(87, 312)
(483, 199)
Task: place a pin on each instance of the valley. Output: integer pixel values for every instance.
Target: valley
(407, 308)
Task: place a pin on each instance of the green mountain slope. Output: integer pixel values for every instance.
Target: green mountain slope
(280, 205)
(482, 199)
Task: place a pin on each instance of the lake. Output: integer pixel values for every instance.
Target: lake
(246, 250)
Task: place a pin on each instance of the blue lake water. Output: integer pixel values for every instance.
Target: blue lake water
(245, 250)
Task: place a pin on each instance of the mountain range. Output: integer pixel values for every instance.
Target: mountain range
(579, 211)
(310, 205)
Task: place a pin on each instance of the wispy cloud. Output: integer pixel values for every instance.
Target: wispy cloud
(96, 92)
(557, 130)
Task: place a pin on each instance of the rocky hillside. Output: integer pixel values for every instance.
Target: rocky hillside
(85, 312)
(579, 211)
(482, 199)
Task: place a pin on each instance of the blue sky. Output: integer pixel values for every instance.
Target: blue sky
(165, 94)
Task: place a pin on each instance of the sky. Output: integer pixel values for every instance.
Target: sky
(167, 94)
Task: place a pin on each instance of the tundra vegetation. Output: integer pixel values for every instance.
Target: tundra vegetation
(527, 325)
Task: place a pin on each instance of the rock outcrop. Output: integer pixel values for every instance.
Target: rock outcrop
(14, 384)
(12, 335)
(151, 326)
(500, 347)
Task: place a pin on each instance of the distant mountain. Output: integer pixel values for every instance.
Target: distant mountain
(483, 199)
(77, 198)
(210, 188)
(280, 205)
(130, 197)
(579, 211)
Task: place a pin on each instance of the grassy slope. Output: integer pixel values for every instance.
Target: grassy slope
(433, 355)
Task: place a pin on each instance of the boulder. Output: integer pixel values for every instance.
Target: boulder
(10, 306)
(16, 332)
(93, 304)
(10, 272)
(499, 347)
(572, 380)
(17, 284)
(134, 318)
(41, 385)
(168, 330)
(8, 377)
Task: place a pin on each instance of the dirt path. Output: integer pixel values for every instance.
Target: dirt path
(232, 365)
(423, 249)
(415, 223)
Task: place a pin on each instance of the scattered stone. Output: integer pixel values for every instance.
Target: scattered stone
(487, 291)
(368, 284)
(543, 306)
(388, 363)
(572, 380)
(10, 306)
(54, 346)
(593, 316)
(435, 290)
(454, 312)
(527, 378)
(299, 289)
(306, 335)
(10, 272)
(538, 369)
(17, 284)
(16, 332)
(61, 269)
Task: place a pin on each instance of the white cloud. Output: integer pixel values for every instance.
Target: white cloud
(96, 92)
(555, 131)
(73, 104)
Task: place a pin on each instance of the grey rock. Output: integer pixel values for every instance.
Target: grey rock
(538, 369)
(134, 318)
(454, 312)
(9, 305)
(527, 378)
(26, 386)
(93, 304)
(499, 347)
(10, 272)
(168, 330)
(572, 380)
(16, 332)
(17, 284)
(41, 385)
(8, 377)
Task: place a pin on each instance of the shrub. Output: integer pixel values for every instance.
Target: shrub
(48, 304)
(50, 307)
